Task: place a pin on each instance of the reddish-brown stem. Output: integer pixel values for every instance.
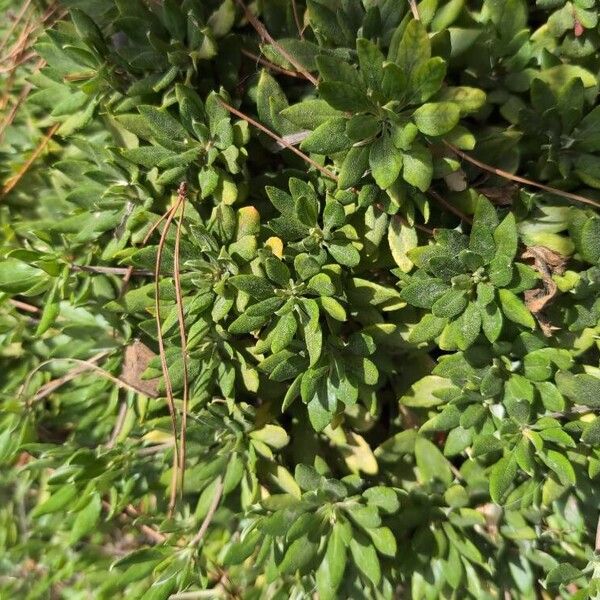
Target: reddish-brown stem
(422, 228)
(24, 306)
(523, 180)
(13, 181)
(15, 23)
(163, 358)
(297, 20)
(266, 36)
(279, 139)
(453, 209)
(111, 270)
(210, 514)
(269, 65)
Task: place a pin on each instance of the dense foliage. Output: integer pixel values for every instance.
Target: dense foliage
(301, 297)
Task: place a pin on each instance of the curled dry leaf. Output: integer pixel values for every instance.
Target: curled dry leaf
(137, 358)
(501, 196)
(546, 262)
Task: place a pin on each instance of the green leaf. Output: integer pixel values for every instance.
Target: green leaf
(385, 161)
(485, 221)
(166, 128)
(354, 166)
(423, 293)
(502, 477)
(298, 555)
(436, 118)
(591, 433)
(562, 573)
(384, 541)
(272, 435)
(506, 237)
(364, 293)
(468, 326)
(221, 20)
(589, 240)
(238, 552)
(344, 96)
(560, 464)
(344, 254)
(468, 99)
(431, 463)
(331, 571)
(450, 304)
(309, 114)
(333, 308)
(582, 388)
(418, 167)
(370, 60)
(514, 309)
(414, 48)
(270, 102)
(428, 328)
(17, 277)
(428, 391)
(86, 519)
(57, 501)
(383, 497)
(365, 558)
(328, 138)
(427, 79)
(283, 333)
(254, 286)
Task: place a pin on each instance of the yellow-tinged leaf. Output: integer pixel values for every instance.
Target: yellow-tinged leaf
(158, 437)
(276, 246)
(401, 239)
(359, 456)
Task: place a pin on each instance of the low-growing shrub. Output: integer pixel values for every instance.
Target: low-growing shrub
(300, 299)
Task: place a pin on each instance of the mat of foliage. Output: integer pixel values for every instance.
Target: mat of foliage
(301, 299)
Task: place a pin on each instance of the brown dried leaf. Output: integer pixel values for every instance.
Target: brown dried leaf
(546, 262)
(137, 358)
(501, 196)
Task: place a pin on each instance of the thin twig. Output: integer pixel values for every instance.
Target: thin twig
(10, 117)
(269, 65)
(414, 10)
(280, 140)
(20, 100)
(453, 209)
(297, 20)
(523, 180)
(118, 425)
(212, 509)
(54, 384)
(24, 306)
(12, 182)
(88, 366)
(597, 544)
(266, 36)
(216, 592)
(111, 270)
(182, 334)
(155, 536)
(152, 229)
(18, 62)
(15, 23)
(404, 222)
(163, 358)
(150, 450)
